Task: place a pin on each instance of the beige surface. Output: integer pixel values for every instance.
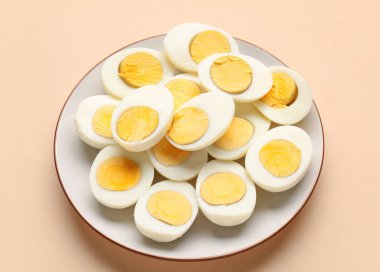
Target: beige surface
(45, 48)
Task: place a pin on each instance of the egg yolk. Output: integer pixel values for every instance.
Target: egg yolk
(189, 125)
(170, 207)
(222, 189)
(207, 43)
(140, 69)
(283, 91)
(101, 121)
(137, 123)
(231, 74)
(238, 134)
(168, 154)
(182, 90)
(281, 158)
(118, 174)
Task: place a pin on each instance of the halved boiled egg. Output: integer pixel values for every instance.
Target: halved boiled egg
(166, 211)
(118, 178)
(242, 77)
(247, 125)
(174, 163)
(93, 120)
(225, 193)
(186, 45)
(201, 121)
(132, 68)
(290, 98)
(142, 118)
(280, 158)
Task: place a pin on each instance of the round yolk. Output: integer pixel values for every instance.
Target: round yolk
(189, 125)
(222, 189)
(238, 134)
(231, 74)
(169, 155)
(207, 43)
(137, 123)
(170, 207)
(182, 90)
(101, 121)
(281, 158)
(283, 91)
(140, 69)
(118, 174)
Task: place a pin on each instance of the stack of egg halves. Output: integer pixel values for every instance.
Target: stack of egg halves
(221, 104)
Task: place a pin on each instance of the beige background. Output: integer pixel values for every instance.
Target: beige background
(46, 47)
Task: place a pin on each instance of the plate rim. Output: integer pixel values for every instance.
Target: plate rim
(169, 258)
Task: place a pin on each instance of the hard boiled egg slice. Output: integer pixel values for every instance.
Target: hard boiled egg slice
(118, 178)
(176, 164)
(242, 77)
(93, 120)
(290, 98)
(133, 68)
(226, 195)
(166, 211)
(280, 158)
(201, 121)
(247, 125)
(186, 45)
(142, 118)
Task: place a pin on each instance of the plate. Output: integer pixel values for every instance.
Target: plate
(204, 240)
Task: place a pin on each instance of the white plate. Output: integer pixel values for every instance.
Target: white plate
(204, 240)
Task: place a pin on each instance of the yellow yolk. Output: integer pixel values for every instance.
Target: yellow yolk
(170, 207)
(222, 189)
(101, 121)
(283, 91)
(238, 134)
(189, 125)
(137, 123)
(231, 74)
(207, 43)
(169, 155)
(281, 158)
(118, 174)
(140, 69)
(182, 90)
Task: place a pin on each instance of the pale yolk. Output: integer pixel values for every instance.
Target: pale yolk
(222, 189)
(281, 158)
(207, 43)
(182, 90)
(238, 134)
(101, 121)
(118, 174)
(140, 69)
(137, 123)
(170, 207)
(169, 155)
(231, 74)
(283, 91)
(189, 125)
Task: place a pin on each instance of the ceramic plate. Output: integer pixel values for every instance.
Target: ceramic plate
(204, 240)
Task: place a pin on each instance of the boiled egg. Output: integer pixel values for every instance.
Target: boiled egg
(280, 158)
(118, 178)
(290, 98)
(132, 68)
(226, 195)
(201, 121)
(93, 120)
(166, 211)
(247, 125)
(186, 45)
(142, 118)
